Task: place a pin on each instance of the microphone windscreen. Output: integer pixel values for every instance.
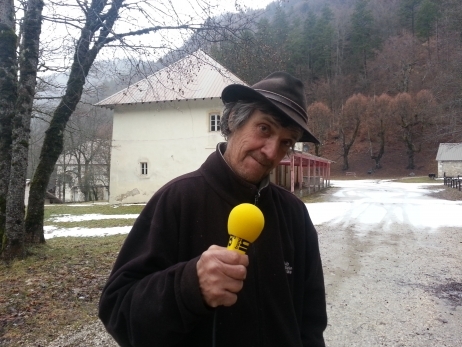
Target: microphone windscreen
(246, 221)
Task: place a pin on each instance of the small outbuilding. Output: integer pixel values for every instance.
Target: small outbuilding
(449, 159)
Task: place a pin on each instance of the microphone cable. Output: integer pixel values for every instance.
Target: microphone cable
(214, 328)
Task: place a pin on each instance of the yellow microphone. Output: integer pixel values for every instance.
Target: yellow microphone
(245, 224)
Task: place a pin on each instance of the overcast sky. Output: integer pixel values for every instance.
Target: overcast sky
(59, 37)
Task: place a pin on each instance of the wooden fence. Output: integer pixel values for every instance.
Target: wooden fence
(453, 182)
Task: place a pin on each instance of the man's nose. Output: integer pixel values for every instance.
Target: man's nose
(271, 149)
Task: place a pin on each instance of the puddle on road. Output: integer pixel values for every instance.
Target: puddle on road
(451, 292)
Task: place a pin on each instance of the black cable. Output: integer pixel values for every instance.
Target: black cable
(214, 329)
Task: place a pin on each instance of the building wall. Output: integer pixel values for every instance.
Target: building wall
(173, 138)
(451, 168)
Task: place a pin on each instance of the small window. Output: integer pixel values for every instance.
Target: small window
(214, 122)
(144, 168)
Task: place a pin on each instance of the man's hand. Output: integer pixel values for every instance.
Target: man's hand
(221, 275)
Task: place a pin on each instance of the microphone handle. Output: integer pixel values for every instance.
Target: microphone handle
(238, 245)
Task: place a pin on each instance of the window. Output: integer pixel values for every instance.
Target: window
(144, 168)
(214, 122)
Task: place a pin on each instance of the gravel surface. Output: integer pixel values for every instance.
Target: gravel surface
(400, 288)
(92, 335)
(391, 284)
(388, 284)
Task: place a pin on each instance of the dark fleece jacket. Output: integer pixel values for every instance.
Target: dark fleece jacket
(152, 297)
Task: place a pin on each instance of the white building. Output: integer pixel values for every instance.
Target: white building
(165, 125)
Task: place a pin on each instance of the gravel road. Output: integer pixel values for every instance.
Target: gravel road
(388, 282)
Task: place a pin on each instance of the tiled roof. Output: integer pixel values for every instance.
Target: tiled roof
(197, 76)
(449, 152)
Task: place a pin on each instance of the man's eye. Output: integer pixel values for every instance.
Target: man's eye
(264, 128)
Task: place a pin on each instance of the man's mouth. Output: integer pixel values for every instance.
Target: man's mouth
(263, 162)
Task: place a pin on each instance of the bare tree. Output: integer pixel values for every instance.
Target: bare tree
(320, 121)
(403, 109)
(91, 26)
(13, 240)
(8, 95)
(396, 67)
(413, 114)
(89, 140)
(350, 121)
(378, 123)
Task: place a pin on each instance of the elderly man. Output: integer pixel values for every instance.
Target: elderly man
(175, 284)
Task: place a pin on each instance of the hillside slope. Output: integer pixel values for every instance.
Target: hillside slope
(394, 161)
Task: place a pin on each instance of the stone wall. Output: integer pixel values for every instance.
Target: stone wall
(451, 168)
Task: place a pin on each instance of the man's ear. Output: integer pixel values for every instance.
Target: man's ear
(230, 123)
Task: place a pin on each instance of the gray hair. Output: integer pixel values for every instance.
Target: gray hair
(236, 114)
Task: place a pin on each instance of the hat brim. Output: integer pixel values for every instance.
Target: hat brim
(236, 92)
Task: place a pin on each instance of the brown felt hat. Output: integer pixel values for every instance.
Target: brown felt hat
(280, 89)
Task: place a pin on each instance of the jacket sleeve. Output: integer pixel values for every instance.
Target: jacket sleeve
(152, 298)
(314, 319)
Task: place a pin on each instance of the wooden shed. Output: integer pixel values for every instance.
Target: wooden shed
(302, 173)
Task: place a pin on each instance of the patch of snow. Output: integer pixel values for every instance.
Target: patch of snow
(91, 216)
(52, 231)
(362, 203)
(357, 204)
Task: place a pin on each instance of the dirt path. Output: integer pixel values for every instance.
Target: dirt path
(388, 282)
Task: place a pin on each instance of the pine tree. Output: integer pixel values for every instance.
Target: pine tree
(309, 28)
(407, 14)
(363, 37)
(322, 48)
(426, 18)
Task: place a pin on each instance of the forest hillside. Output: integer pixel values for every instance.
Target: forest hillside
(383, 78)
(393, 162)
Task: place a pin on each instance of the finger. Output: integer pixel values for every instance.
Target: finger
(224, 299)
(233, 286)
(227, 256)
(214, 271)
(229, 299)
(216, 264)
(235, 272)
(224, 285)
(219, 281)
(219, 292)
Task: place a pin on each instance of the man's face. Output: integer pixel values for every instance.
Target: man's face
(258, 146)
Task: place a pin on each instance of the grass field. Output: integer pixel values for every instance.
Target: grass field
(57, 287)
(53, 211)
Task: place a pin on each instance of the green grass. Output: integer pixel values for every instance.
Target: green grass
(76, 209)
(96, 223)
(52, 211)
(419, 179)
(57, 287)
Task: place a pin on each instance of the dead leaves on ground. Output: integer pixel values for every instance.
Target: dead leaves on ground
(58, 285)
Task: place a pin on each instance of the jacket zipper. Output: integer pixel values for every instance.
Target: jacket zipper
(257, 196)
(257, 288)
